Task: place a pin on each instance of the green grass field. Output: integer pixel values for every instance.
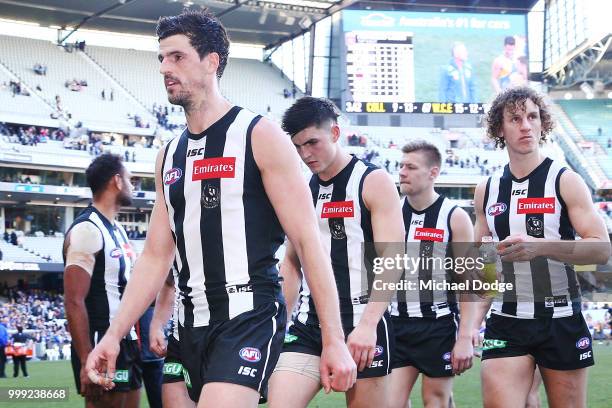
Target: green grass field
(466, 390)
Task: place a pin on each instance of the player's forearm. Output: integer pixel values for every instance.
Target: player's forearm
(291, 285)
(372, 313)
(481, 308)
(469, 311)
(145, 282)
(78, 325)
(322, 285)
(585, 251)
(163, 306)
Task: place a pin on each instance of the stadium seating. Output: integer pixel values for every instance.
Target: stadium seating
(21, 54)
(21, 105)
(587, 116)
(17, 254)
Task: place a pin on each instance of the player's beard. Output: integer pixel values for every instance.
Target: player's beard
(124, 199)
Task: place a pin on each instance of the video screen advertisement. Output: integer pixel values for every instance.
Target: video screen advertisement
(416, 62)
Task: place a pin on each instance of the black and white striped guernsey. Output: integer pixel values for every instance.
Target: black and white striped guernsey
(532, 206)
(431, 225)
(111, 272)
(225, 229)
(344, 225)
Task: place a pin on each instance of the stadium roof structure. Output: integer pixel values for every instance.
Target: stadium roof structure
(263, 22)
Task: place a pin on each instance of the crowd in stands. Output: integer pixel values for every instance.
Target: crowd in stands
(162, 113)
(75, 84)
(599, 321)
(40, 69)
(40, 313)
(29, 135)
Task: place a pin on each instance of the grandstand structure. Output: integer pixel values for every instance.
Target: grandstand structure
(56, 123)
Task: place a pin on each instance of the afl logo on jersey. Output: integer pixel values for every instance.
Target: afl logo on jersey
(497, 209)
(583, 343)
(250, 354)
(116, 253)
(378, 351)
(172, 176)
(447, 356)
(210, 196)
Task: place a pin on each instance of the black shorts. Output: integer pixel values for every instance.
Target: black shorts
(243, 350)
(425, 344)
(559, 344)
(128, 375)
(173, 366)
(306, 339)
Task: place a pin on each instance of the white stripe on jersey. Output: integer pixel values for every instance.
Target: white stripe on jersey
(232, 218)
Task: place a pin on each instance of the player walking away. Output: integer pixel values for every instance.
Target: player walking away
(226, 189)
(425, 327)
(98, 260)
(174, 390)
(356, 203)
(535, 209)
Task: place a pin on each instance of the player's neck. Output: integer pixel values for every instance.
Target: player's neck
(207, 111)
(423, 199)
(107, 206)
(341, 160)
(521, 165)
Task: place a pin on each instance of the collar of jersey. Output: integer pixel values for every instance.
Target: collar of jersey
(439, 199)
(508, 173)
(221, 121)
(346, 168)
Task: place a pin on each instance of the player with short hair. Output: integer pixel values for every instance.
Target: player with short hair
(356, 204)
(535, 208)
(427, 337)
(227, 190)
(98, 259)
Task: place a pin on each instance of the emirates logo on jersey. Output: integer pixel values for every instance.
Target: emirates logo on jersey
(338, 209)
(429, 234)
(544, 205)
(218, 167)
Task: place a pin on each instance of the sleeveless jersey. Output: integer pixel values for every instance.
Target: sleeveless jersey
(532, 206)
(224, 227)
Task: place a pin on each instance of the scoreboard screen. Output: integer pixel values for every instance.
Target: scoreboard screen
(415, 107)
(416, 62)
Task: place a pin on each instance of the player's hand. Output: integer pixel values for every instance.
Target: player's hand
(462, 354)
(157, 340)
(101, 362)
(362, 345)
(337, 368)
(518, 248)
(89, 390)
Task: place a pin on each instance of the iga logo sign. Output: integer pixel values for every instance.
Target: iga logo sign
(378, 351)
(583, 343)
(250, 354)
(497, 209)
(172, 176)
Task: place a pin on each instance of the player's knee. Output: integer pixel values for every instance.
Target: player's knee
(436, 397)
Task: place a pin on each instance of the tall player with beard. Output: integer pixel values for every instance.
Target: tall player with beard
(226, 190)
(535, 208)
(98, 260)
(427, 338)
(357, 207)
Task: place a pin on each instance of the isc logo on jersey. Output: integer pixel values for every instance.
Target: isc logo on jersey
(218, 167)
(250, 354)
(429, 234)
(497, 209)
(544, 205)
(172, 176)
(338, 209)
